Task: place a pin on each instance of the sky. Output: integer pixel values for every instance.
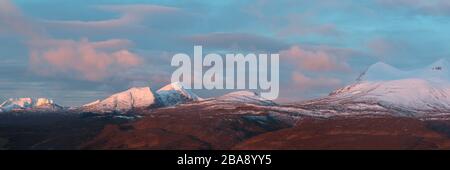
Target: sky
(78, 51)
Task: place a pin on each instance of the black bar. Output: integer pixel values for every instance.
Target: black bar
(169, 159)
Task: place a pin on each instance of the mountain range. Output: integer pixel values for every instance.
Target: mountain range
(29, 104)
(381, 90)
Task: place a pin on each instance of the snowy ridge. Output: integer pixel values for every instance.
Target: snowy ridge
(92, 103)
(123, 101)
(246, 97)
(143, 97)
(437, 72)
(175, 93)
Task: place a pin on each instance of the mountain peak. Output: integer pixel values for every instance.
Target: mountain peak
(175, 93)
(380, 71)
(28, 103)
(437, 71)
(172, 86)
(135, 97)
(179, 87)
(419, 90)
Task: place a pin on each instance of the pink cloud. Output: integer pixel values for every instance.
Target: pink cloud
(317, 61)
(303, 82)
(313, 60)
(91, 61)
(12, 20)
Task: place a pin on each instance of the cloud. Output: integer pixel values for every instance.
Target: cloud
(112, 44)
(293, 17)
(91, 61)
(313, 60)
(303, 82)
(388, 49)
(303, 86)
(381, 47)
(12, 20)
(239, 41)
(129, 15)
(423, 7)
(315, 71)
(300, 25)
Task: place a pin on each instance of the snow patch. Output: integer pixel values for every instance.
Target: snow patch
(246, 97)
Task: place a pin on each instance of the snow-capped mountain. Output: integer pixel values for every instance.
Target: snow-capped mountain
(143, 97)
(246, 97)
(437, 72)
(29, 104)
(175, 93)
(382, 88)
(124, 101)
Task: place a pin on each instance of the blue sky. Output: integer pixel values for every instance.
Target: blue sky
(78, 51)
